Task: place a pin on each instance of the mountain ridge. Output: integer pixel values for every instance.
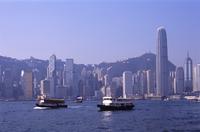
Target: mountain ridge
(146, 61)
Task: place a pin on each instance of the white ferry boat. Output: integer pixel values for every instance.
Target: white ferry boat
(112, 104)
(45, 102)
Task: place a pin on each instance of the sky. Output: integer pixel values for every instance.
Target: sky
(93, 31)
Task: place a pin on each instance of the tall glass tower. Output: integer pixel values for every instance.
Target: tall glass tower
(188, 75)
(68, 77)
(52, 66)
(127, 84)
(162, 71)
(52, 75)
(179, 80)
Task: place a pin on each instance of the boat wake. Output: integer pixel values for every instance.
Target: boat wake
(40, 108)
(75, 107)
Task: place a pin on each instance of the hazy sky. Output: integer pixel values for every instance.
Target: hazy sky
(92, 31)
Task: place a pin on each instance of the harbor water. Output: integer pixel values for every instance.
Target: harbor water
(147, 116)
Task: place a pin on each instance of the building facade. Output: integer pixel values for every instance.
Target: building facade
(127, 84)
(196, 78)
(179, 87)
(52, 75)
(45, 87)
(27, 84)
(162, 71)
(150, 82)
(188, 81)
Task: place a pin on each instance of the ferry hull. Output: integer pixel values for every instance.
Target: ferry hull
(114, 108)
(52, 106)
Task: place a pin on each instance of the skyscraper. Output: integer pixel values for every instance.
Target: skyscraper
(68, 72)
(179, 80)
(68, 77)
(188, 75)
(117, 86)
(0, 74)
(196, 78)
(150, 82)
(27, 84)
(52, 75)
(127, 84)
(52, 66)
(162, 71)
(172, 80)
(45, 87)
(7, 80)
(107, 80)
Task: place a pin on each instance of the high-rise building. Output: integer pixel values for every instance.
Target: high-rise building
(68, 72)
(105, 89)
(150, 82)
(36, 81)
(127, 84)
(196, 78)
(59, 78)
(143, 82)
(68, 76)
(179, 80)
(107, 80)
(117, 87)
(0, 74)
(81, 88)
(90, 86)
(101, 72)
(139, 81)
(52, 75)
(136, 86)
(110, 86)
(1, 85)
(162, 71)
(27, 84)
(188, 84)
(52, 66)
(7, 79)
(172, 83)
(45, 87)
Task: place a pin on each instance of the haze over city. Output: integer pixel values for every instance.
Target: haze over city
(96, 31)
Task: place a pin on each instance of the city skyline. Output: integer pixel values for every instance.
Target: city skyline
(99, 65)
(108, 31)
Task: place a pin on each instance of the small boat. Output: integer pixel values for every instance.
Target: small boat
(193, 98)
(50, 102)
(190, 98)
(164, 98)
(79, 99)
(112, 104)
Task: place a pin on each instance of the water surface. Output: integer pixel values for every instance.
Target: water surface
(148, 116)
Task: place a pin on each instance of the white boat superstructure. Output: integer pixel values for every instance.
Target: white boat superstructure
(107, 101)
(192, 98)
